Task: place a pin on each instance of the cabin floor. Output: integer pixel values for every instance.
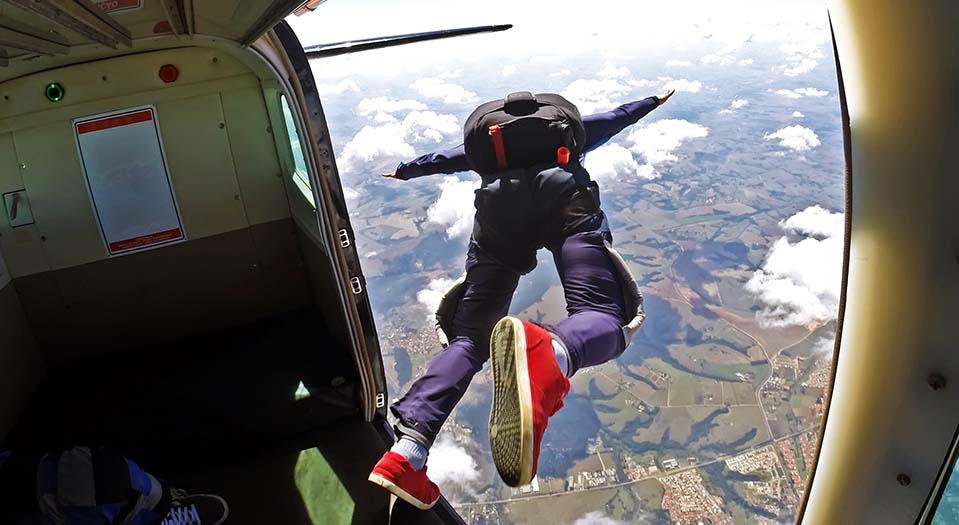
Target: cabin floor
(260, 414)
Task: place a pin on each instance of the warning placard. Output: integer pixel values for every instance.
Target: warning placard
(128, 180)
(112, 6)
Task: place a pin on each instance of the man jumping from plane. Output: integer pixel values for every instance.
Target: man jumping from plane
(534, 193)
(600, 127)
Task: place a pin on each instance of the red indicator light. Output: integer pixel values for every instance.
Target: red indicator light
(169, 73)
(562, 155)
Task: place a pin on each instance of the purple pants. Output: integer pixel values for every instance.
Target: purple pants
(592, 333)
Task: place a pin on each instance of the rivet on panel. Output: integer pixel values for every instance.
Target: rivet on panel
(236, 196)
(903, 480)
(43, 238)
(269, 129)
(936, 381)
(222, 125)
(23, 166)
(215, 60)
(104, 78)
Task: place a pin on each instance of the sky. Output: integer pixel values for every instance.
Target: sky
(674, 30)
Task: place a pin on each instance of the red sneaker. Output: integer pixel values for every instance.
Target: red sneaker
(395, 474)
(528, 388)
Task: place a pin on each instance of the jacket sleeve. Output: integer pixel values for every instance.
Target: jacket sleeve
(600, 127)
(445, 161)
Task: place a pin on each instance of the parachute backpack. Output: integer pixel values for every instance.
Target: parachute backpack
(523, 130)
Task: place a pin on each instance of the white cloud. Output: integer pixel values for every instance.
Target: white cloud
(372, 144)
(689, 86)
(338, 88)
(802, 55)
(804, 66)
(678, 63)
(825, 345)
(734, 105)
(610, 70)
(382, 118)
(596, 518)
(658, 141)
(454, 207)
(508, 70)
(799, 282)
(451, 464)
(438, 88)
(746, 62)
(369, 106)
(713, 58)
(797, 114)
(393, 140)
(561, 73)
(614, 162)
(801, 92)
(430, 297)
(592, 95)
(429, 127)
(796, 138)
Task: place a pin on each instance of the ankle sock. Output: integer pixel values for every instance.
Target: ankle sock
(412, 451)
(562, 355)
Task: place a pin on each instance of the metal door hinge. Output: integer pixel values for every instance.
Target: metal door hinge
(344, 238)
(380, 400)
(357, 287)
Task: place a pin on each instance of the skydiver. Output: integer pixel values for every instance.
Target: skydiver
(525, 202)
(600, 127)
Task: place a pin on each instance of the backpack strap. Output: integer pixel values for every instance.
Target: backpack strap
(496, 132)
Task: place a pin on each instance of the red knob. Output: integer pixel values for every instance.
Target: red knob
(169, 73)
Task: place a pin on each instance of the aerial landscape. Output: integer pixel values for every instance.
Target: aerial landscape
(726, 203)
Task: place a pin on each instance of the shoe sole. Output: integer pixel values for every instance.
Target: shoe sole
(511, 416)
(394, 489)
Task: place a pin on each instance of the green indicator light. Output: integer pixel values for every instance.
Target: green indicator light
(54, 92)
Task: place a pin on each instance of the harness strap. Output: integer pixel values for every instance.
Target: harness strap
(496, 132)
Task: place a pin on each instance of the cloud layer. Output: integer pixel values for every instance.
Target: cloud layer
(796, 138)
(374, 105)
(801, 92)
(799, 281)
(449, 93)
(454, 207)
(592, 95)
(614, 162)
(337, 88)
(596, 518)
(431, 296)
(393, 140)
(452, 465)
(658, 142)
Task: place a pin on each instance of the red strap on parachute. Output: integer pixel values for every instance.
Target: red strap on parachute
(496, 132)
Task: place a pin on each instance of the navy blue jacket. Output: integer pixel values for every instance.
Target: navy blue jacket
(600, 127)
